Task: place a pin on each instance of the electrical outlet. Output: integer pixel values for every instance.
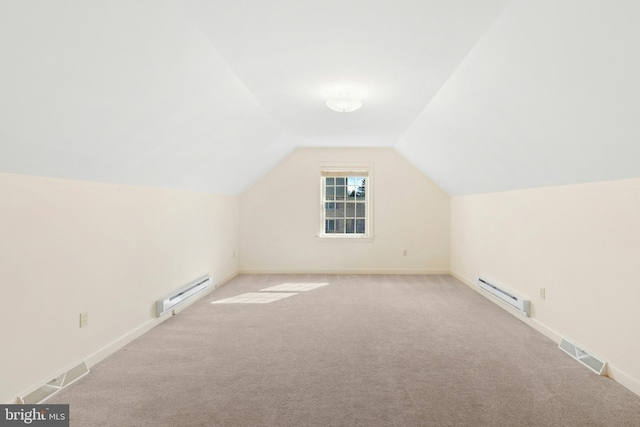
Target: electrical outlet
(543, 293)
(84, 319)
(404, 252)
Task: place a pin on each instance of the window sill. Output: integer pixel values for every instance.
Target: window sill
(352, 237)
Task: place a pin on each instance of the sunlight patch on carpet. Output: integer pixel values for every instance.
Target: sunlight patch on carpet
(294, 287)
(254, 298)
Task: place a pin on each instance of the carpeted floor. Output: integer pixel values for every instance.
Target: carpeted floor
(364, 350)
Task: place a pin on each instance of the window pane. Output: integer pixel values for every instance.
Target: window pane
(361, 189)
(339, 193)
(329, 210)
(350, 225)
(339, 211)
(339, 227)
(351, 192)
(329, 226)
(340, 181)
(360, 210)
(351, 180)
(330, 193)
(329, 181)
(359, 225)
(351, 210)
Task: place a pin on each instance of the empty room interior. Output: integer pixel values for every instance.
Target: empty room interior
(397, 211)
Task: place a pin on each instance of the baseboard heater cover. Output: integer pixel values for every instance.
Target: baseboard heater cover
(584, 357)
(170, 302)
(44, 392)
(519, 303)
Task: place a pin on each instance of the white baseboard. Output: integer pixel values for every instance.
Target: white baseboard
(125, 339)
(117, 344)
(622, 378)
(346, 271)
(612, 372)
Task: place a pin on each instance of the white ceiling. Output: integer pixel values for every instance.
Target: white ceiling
(209, 95)
(293, 54)
(547, 97)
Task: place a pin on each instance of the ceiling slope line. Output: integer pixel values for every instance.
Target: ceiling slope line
(212, 45)
(454, 73)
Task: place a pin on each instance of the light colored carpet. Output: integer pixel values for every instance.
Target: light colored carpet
(361, 351)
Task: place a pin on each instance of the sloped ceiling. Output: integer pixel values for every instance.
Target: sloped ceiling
(547, 97)
(127, 92)
(209, 95)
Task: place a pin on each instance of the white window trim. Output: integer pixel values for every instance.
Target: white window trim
(354, 168)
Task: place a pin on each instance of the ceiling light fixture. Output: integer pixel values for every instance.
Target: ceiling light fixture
(344, 103)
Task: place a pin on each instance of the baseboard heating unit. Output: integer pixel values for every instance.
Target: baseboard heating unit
(519, 303)
(181, 295)
(582, 356)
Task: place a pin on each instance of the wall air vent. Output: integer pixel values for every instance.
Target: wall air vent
(519, 303)
(582, 356)
(44, 392)
(181, 295)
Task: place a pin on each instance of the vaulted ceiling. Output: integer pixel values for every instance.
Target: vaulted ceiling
(203, 95)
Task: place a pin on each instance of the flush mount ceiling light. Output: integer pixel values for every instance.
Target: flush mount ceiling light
(344, 103)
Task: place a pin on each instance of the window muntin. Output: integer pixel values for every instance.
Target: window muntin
(345, 204)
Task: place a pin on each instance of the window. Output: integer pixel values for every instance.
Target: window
(345, 203)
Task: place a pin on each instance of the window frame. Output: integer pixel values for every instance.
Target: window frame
(348, 170)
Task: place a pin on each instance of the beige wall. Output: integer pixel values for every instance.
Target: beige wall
(581, 243)
(280, 218)
(71, 246)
